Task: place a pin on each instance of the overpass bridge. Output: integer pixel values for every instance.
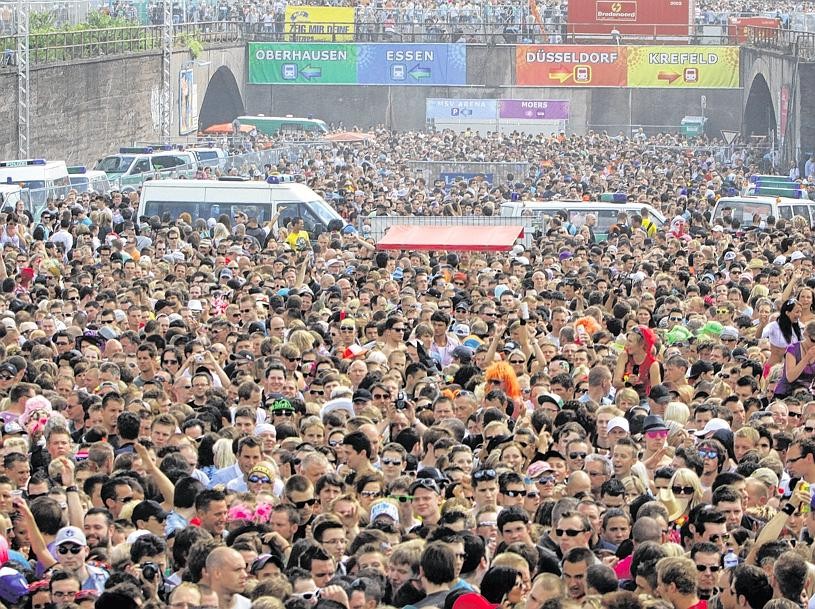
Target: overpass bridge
(82, 107)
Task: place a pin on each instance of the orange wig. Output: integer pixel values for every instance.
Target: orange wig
(502, 371)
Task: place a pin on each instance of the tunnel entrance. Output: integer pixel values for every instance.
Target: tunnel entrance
(222, 101)
(759, 114)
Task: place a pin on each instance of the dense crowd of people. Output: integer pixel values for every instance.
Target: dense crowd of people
(210, 413)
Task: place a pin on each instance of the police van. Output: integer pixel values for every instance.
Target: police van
(88, 180)
(210, 156)
(134, 165)
(40, 180)
(577, 210)
(262, 200)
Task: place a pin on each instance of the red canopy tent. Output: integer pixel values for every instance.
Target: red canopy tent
(226, 128)
(350, 136)
(453, 238)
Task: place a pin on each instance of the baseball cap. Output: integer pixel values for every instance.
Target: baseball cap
(618, 422)
(384, 508)
(729, 332)
(714, 424)
(426, 483)
(462, 330)
(13, 586)
(362, 395)
(465, 354)
(263, 560)
(537, 469)
(70, 535)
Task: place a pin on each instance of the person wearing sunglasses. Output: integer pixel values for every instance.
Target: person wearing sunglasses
(572, 530)
(71, 552)
(710, 525)
(149, 516)
(299, 492)
(708, 565)
(262, 480)
(656, 441)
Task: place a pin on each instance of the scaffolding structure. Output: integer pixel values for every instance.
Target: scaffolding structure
(23, 89)
(166, 96)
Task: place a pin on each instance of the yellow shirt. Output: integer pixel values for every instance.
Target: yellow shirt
(298, 241)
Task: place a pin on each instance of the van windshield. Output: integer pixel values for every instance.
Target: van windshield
(741, 210)
(322, 211)
(115, 164)
(172, 209)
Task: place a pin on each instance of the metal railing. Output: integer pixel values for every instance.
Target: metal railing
(84, 44)
(515, 30)
(789, 42)
(87, 44)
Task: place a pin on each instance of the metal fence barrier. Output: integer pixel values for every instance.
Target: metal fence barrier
(498, 172)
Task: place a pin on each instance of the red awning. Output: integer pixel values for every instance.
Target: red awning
(453, 238)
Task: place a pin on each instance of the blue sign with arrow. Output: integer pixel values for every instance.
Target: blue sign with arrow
(412, 64)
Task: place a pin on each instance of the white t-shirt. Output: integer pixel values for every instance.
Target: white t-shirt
(773, 333)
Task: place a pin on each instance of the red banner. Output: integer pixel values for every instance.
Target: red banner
(645, 18)
(571, 66)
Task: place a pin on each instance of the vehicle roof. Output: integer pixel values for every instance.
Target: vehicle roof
(176, 183)
(280, 118)
(572, 203)
(763, 199)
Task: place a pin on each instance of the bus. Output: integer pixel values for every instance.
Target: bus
(41, 179)
(288, 126)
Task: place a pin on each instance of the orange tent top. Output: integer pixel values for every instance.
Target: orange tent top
(226, 128)
(349, 136)
(453, 238)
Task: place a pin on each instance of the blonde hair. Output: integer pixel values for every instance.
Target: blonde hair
(302, 339)
(683, 477)
(626, 394)
(678, 412)
(510, 559)
(222, 453)
(749, 433)
(186, 586)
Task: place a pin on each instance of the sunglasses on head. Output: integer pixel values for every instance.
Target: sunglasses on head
(484, 474)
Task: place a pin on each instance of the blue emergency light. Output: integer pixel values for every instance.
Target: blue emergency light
(136, 150)
(22, 163)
